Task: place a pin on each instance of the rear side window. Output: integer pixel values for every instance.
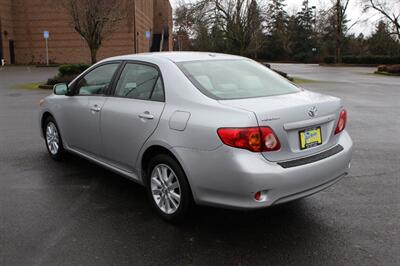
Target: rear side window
(137, 81)
(235, 79)
(158, 92)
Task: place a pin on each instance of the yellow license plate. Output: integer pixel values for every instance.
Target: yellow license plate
(310, 138)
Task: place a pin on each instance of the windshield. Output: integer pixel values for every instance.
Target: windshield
(235, 79)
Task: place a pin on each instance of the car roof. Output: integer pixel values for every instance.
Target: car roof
(177, 56)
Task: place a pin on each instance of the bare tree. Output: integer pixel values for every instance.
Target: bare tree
(94, 20)
(239, 20)
(390, 10)
(184, 18)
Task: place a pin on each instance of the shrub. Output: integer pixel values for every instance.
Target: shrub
(267, 65)
(61, 79)
(52, 81)
(393, 69)
(382, 68)
(329, 60)
(283, 74)
(72, 69)
(66, 73)
(304, 57)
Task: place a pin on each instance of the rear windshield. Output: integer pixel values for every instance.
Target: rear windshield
(235, 79)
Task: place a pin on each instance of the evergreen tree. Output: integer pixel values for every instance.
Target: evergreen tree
(292, 32)
(381, 42)
(326, 30)
(202, 37)
(255, 29)
(277, 23)
(217, 38)
(339, 9)
(303, 36)
(355, 45)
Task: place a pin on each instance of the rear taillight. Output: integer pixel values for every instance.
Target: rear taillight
(256, 139)
(342, 122)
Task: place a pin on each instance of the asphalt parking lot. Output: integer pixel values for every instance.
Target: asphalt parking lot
(76, 213)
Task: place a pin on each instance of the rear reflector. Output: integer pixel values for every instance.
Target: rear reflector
(342, 122)
(255, 139)
(261, 196)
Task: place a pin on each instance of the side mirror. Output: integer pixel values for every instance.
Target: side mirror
(60, 89)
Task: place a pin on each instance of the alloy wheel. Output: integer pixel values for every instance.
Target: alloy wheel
(165, 188)
(52, 138)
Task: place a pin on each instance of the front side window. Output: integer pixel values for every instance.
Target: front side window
(96, 81)
(138, 81)
(235, 79)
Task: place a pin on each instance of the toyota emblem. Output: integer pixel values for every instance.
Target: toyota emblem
(312, 111)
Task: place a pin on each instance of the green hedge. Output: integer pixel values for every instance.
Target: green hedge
(365, 59)
(66, 73)
(329, 60)
(61, 79)
(304, 57)
(72, 69)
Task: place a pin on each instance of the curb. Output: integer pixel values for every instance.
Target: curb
(387, 74)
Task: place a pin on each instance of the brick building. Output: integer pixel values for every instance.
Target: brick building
(22, 23)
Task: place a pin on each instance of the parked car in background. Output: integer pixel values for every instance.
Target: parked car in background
(204, 128)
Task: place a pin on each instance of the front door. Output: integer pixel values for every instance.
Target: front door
(82, 111)
(130, 117)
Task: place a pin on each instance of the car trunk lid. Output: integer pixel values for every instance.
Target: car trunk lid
(290, 114)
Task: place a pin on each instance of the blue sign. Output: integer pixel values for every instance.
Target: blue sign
(148, 34)
(46, 34)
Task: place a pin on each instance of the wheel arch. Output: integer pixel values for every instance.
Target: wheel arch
(150, 152)
(45, 115)
(155, 149)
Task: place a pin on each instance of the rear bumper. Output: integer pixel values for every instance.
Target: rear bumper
(229, 177)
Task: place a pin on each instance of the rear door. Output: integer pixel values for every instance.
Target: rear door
(132, 113)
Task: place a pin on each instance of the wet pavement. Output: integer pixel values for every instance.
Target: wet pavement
(76, 213)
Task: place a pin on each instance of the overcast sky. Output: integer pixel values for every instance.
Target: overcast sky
(354, 13)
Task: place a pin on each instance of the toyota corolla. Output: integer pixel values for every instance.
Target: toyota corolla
(200, 128)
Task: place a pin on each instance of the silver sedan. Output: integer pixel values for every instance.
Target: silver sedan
(202, 128)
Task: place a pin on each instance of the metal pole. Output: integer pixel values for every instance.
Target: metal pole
(135, 46)
(162, 40)
(1, 42)
(150, 40)
(137, 42)
(47, 53)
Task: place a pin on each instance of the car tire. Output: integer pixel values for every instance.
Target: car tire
(168, 189)
(53, 140)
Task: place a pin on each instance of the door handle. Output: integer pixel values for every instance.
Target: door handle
(95, 108)
(146, 115)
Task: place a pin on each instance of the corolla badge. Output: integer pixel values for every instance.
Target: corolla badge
(312, 111)
(272, 118)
